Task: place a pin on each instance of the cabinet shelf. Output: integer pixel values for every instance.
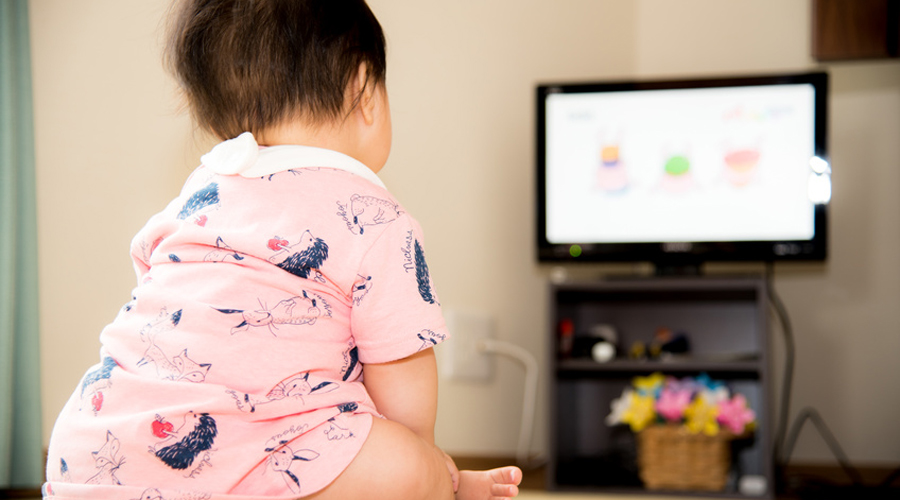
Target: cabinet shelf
(724, 366)
(726, 323)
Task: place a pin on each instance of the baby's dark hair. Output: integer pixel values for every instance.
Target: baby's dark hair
(245, 65)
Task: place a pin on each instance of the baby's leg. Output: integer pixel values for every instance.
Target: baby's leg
(395, 464)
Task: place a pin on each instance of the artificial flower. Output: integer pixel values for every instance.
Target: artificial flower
(701, 416)
(619, 407)
(687, 384)
(672, 403)
(735, 415)
(716, 396)
(640, 413)
(706, 382)
(701, 405)
(650, 385)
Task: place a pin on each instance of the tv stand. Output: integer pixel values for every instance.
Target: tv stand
(726, 321)
(679, 269)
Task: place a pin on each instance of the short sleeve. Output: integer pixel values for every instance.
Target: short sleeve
(395, 311)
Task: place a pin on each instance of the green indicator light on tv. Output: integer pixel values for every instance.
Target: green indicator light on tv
(575, 250)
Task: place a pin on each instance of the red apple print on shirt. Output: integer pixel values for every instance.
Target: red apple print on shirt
(201, 220)
(161, 428)
(97, 401)
(277, 244)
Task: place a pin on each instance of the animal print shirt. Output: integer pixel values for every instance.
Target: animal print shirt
(235, 371)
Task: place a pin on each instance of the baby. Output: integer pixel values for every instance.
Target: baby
(279, 341)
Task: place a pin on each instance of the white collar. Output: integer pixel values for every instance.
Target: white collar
(243, 156)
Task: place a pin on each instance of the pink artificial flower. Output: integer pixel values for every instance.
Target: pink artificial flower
(735, 415)
(686, 384)
(671, 404)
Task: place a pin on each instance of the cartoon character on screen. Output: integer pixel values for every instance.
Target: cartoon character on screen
(677, 176)
(740, 166)
(740, 163)
(612, 175)
(744, 127)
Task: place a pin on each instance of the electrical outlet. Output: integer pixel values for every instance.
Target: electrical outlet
(461, 356)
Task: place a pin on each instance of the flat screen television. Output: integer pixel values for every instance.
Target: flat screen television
(681, 172)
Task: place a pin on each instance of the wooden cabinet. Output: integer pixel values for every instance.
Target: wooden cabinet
(726, 322)
(855, 29)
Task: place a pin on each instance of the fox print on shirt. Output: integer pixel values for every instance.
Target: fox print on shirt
(178, 368)
(107, 461)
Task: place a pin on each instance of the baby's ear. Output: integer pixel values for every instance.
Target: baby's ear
(362, 92)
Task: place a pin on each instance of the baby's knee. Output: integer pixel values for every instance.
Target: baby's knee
(396, 464)
(437, 483)
(423, 470)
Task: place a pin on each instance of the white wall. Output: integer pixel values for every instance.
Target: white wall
(112, 149)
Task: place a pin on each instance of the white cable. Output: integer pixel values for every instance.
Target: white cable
(531, 381)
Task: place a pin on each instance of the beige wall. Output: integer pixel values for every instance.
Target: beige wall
(112, 149)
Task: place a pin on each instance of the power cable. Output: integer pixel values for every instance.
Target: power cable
(789, 352)
(784, 441)
(813, 416)
(526, 430)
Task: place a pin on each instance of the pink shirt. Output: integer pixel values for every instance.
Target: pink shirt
(236, 368)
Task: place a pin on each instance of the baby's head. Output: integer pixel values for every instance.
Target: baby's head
(248, 65)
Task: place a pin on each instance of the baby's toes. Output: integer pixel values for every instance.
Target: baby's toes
(504, 491)
(507, 475)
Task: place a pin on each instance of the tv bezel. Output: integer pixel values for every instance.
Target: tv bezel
(683, 253)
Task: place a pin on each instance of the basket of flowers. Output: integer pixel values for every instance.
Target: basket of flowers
(684, 428)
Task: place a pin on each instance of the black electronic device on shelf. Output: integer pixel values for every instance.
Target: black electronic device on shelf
(682, 172)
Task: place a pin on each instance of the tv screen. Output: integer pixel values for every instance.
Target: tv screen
(683, 171)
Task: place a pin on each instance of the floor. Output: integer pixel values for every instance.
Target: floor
(543, 495)
(534, 485)
(530, 495)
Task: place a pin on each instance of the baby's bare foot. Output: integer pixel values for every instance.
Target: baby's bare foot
(494, 484)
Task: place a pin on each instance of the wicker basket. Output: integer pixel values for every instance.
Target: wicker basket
(671, 458)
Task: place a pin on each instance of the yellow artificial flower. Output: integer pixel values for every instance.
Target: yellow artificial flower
(650, 384)
(701, 417)
(641, 413)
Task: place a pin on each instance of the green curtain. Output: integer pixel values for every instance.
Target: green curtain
(21, 453)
